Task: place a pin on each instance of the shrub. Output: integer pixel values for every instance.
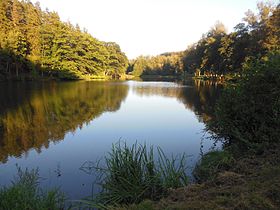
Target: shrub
(247, 114)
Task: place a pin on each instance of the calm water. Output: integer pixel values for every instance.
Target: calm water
(58, 126)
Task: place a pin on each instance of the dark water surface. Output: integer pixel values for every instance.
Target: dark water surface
(58, 126)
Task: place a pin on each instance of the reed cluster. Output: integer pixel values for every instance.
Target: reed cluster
(132, 174)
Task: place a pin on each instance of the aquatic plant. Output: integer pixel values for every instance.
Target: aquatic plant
(25, 194)
(132, 174)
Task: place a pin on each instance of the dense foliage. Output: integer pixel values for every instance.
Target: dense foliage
(34, 42)
(165, 65)
(248, 113)
(218, 52)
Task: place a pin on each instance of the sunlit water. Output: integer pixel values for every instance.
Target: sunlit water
(57, 127)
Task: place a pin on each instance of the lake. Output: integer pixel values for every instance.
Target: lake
(57, 127)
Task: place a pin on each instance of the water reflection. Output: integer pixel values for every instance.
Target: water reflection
(34, 114)
(197, 95)
(36, 117)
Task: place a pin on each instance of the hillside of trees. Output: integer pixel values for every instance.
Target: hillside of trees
(219, 52)
(36, 43)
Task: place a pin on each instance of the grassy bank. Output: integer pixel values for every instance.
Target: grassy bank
(251, 182)
(159, 77)
(229, 77)
(246, 174)
(132, 174)
(87, 77)
(248, 182)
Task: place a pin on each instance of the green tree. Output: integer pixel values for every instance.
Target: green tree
(248, 115)
(35, 41)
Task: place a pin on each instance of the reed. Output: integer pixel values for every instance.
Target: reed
(25, 193)
(133, 174)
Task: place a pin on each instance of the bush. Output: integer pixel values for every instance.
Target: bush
(247, 114)
(211, 164)
(132, 175)
(25, 194)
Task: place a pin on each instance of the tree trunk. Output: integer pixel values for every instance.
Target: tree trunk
(7, 67)
(17, 70)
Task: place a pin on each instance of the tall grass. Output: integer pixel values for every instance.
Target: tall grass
(25, 194)
(132, 174)
(211, 164)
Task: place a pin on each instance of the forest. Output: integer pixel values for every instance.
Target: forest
(35, 43)
(240, 171)
(164, 64)
(218, 52)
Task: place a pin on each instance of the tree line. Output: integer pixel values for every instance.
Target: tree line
(164, 65)
(219, 52)
(35, 42)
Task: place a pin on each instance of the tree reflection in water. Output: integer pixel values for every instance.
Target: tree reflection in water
(34, 114)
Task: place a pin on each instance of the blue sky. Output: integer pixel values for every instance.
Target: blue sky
(150, 27)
